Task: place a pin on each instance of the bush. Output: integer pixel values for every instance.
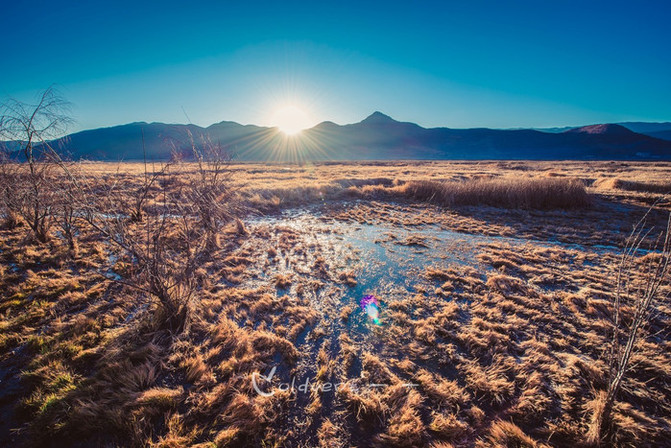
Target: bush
(527, 193)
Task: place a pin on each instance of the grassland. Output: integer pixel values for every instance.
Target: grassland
(495, 334)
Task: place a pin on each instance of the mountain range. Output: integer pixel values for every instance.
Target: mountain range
(378, 137)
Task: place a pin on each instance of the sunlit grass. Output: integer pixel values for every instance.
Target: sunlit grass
(505, 350)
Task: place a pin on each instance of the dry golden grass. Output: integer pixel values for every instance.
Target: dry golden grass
(634, 185)
(506, 352)
(538, 193)
(272, 186)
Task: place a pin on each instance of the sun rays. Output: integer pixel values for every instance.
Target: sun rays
(291, 119)
(277, 145)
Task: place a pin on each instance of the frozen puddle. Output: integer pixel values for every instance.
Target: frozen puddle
(386, 261)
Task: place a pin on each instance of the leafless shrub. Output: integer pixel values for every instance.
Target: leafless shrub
(32, 127)
(149, 180)
(209, 191)
(66, 217)
(9, 198)
(162, 249)
(641, 280)
(164, 244)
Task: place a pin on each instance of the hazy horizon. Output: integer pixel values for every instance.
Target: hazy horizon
(206, 125)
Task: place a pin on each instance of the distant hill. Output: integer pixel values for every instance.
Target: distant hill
(378, 137)
(651, 129)
(664, 135)
(602, 129)
(381, 137)
(125, 142)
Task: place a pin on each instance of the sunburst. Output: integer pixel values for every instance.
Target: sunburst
(291, 119)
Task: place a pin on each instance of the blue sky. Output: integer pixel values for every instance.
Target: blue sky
(450, 63)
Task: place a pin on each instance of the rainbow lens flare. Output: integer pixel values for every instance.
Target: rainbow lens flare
(371, 305)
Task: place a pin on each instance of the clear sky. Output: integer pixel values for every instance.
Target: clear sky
(446, 63)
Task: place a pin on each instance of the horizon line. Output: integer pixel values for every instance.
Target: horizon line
(376, 112)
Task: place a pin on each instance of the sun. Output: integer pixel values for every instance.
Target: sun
(291, 119)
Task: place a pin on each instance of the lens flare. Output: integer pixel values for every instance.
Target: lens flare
(371, 305)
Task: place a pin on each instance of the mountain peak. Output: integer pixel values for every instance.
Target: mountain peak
(326, 124)
(378, 117)
(601, 129)
(224, 124)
